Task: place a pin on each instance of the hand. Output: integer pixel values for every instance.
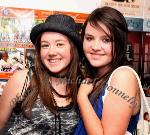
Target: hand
(86, 87)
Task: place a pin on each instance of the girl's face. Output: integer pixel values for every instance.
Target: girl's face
(97, 47)
(55, 52)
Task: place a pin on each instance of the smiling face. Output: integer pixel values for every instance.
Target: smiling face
(55, 52)
(97, 47)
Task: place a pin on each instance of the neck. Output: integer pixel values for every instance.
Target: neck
(55, 75)
(103, 70)
(58, 87)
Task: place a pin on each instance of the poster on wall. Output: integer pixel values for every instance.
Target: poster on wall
(29, 57)
(146, 16)
(134, 24)
(129, 8)
(78, 17)
(11, 60)
(15, 27)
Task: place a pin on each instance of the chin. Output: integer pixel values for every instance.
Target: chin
(94, 64)
(55, 72)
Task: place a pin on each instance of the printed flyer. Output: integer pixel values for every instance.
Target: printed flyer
(129, 8)
(11, 60)
(15, 27)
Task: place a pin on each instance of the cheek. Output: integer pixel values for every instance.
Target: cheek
(68, 52)
(110, 50)
(85, 47)
(43, 54)
(110, 54)
(70, 55)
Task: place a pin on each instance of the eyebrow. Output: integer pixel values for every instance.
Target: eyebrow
(61, 40)
(44, 41)
(87, 34)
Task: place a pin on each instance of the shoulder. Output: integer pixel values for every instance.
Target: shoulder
(125, 78)
(15, 83)
(124, 73)
(13, 89)
(18, 77)
(124, 70)
(20, 74)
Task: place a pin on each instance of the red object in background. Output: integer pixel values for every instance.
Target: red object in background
(146, 54)
(146, 63)
(135, 40)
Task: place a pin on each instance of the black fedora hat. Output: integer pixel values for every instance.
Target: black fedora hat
(60, 23)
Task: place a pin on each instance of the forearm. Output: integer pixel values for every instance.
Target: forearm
(91, 121)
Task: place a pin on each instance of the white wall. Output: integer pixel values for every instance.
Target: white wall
(82, 6)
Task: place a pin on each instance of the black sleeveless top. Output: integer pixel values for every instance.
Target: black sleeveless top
(43, 121)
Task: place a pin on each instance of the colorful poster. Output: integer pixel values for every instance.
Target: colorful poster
(78, 17)
(29, 57)
(11, 60)
(129, 8)
(134, 24)
(15, 27)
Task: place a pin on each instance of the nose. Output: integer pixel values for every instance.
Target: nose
(96, 45)
(52, 50)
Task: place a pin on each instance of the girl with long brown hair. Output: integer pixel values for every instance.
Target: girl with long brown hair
(42, 100)
(110, 105)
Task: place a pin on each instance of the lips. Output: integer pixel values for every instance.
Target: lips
(54, 61)
(97, 54)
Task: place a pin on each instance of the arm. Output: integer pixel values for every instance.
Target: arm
(116, 110)
(12, 89)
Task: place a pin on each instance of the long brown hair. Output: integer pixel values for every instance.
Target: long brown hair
(41, 86)
(117, 26)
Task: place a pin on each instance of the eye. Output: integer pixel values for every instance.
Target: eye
(106, 40)
(60, 44)
(88, 38)
(44, 45)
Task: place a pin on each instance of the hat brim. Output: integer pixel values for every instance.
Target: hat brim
(44, 27)
(51, 27)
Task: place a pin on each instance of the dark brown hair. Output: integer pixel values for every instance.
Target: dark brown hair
(41, 86)
(116, 24)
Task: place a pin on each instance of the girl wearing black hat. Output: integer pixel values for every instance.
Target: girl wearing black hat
(110, 105)
(42, 100)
